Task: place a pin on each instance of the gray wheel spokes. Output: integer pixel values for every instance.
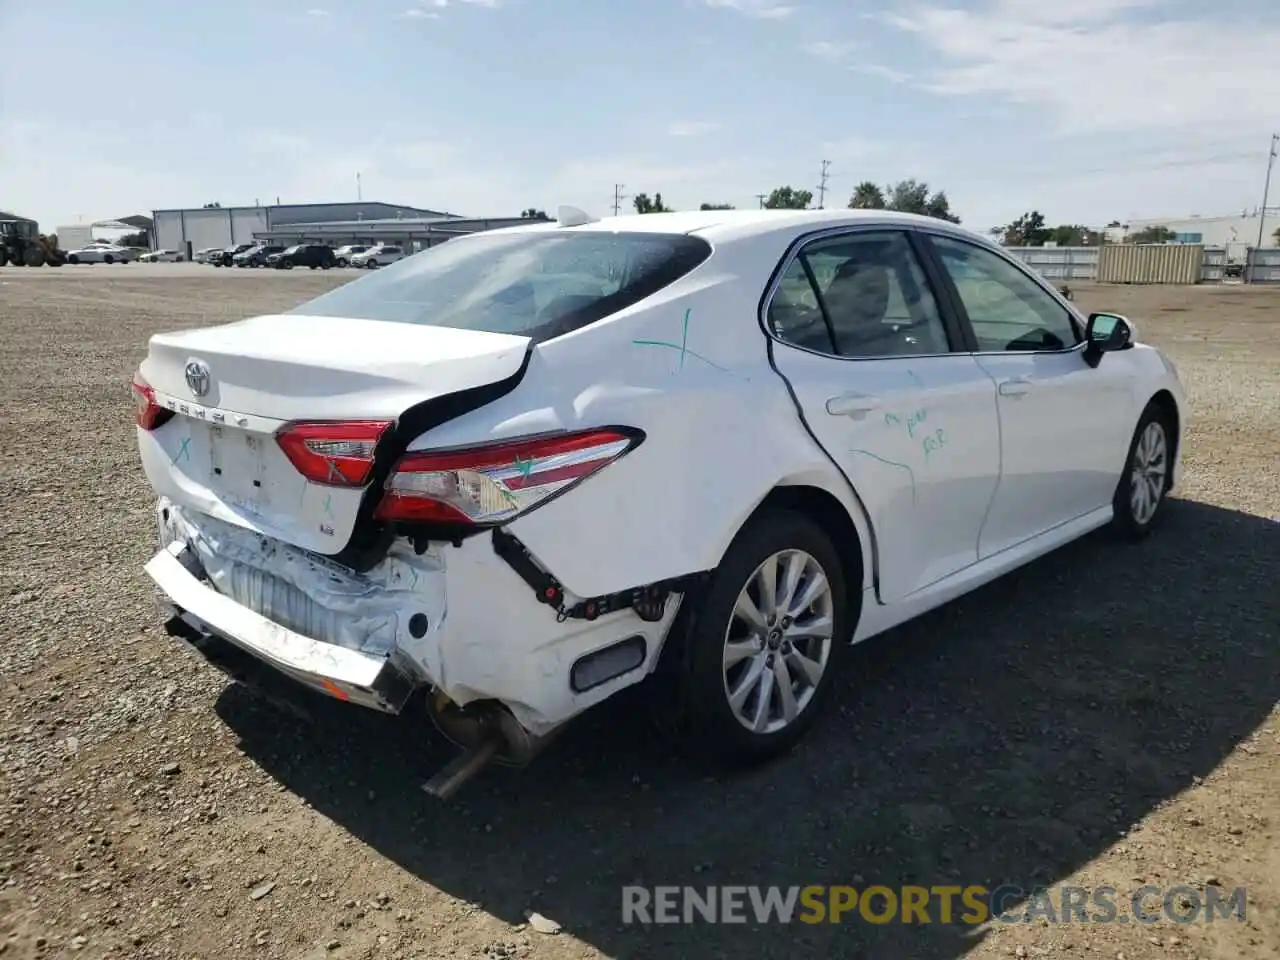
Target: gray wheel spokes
(778, 641)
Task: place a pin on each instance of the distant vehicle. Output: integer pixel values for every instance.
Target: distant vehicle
(255, 256)
(378, 256)
(101, 253)
(303, 255)
(161, 256)
(202, 256)
(343, 255)
(222, 258)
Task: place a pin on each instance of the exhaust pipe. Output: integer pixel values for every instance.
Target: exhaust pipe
(487, 732)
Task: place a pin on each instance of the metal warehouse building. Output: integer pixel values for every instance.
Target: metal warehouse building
(415, 233)
(223, 226)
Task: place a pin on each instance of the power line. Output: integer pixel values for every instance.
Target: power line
(618, 197)
(822, 184)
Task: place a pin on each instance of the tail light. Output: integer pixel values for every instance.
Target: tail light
(490, 484)
(336, 453)
(147, 413)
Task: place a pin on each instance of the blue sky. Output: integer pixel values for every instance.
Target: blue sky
(1088, 110)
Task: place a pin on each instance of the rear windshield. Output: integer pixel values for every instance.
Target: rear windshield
(538, 285)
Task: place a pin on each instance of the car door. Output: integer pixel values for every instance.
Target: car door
(886, 386)
(1063, 440)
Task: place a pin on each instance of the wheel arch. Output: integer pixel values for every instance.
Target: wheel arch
(1164, 401)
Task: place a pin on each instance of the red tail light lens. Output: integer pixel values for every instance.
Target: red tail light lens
(147, 413)
(335, 453)
(494, 483)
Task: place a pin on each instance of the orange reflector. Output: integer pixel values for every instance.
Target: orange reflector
(334, 689)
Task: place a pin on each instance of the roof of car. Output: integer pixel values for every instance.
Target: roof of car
(721, 225)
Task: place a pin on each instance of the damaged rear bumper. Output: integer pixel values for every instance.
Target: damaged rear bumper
(382, 682)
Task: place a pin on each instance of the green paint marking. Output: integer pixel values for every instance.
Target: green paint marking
(893, 463)
(184, 451)
(682, 346)
(328, 504)
(525, 466)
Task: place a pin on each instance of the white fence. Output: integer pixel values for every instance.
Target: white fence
(1081, 263)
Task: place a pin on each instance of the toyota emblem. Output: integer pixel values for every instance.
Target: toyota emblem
(197, 377)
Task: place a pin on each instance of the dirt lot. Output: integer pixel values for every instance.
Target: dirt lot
(1106, 716)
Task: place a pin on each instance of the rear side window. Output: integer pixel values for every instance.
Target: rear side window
(538, 285)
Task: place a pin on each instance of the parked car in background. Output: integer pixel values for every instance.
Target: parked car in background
(101, 253)
(202, 255)
(522, 469)
(222, 258)
(256, 256)
(311, 255)
(378, 256)
(342, 256)
(161, 256)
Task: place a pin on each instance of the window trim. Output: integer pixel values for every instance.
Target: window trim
(928, 236)
(959, 335)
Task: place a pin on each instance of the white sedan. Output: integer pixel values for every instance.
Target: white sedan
(101, 253)
(379, 255)
(711, 449)
(161, 256)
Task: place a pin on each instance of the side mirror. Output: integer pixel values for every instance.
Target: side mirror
(1107, 332)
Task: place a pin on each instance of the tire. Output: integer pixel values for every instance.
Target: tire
(1145, 481)
(107, 258)
(707, 722)
(73, 259)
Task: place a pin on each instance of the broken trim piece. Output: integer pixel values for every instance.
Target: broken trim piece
(649, 601)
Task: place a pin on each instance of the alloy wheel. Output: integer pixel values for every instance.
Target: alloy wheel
(778, 641)
(1147, 475)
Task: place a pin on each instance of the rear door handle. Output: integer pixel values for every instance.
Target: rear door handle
(856, 405)
(1014, 388)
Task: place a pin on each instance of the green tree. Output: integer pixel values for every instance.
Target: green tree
(1151, 235)
(913, 196)
(1027, 231)
(788, 198)
(532, 213)
(645, 204)
(133, 240)
(716, 206)
(867, 196)
(1074, 235)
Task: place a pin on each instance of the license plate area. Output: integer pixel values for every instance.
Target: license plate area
(238, 464)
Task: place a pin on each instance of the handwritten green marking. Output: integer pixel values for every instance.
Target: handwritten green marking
(184, 451)
(934, 441)
(328, 504)
(525, 466)
(682, 346)
(893, 463)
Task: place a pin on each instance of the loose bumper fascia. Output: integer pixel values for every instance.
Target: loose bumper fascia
(380, 682)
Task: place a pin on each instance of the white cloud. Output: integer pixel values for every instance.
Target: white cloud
(691, 128)
(1095, 68)
(881, 71)
(757, 9)
(317, 12)
(416, 13)
(829, 49)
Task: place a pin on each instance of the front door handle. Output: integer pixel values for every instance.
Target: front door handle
(1014, 388)
(856, 405)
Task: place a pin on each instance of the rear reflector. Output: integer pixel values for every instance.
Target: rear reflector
(336, 453)
(494, 483)
(147, 413)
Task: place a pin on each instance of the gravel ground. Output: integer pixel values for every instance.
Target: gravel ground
(1107, 715)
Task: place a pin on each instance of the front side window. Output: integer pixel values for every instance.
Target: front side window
(1007, 309)
(861, 295)
(539, 284)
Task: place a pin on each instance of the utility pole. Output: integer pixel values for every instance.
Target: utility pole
(762, 197)
(618, 197)
(1262, 214)
(822, 184)
(359, 191)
